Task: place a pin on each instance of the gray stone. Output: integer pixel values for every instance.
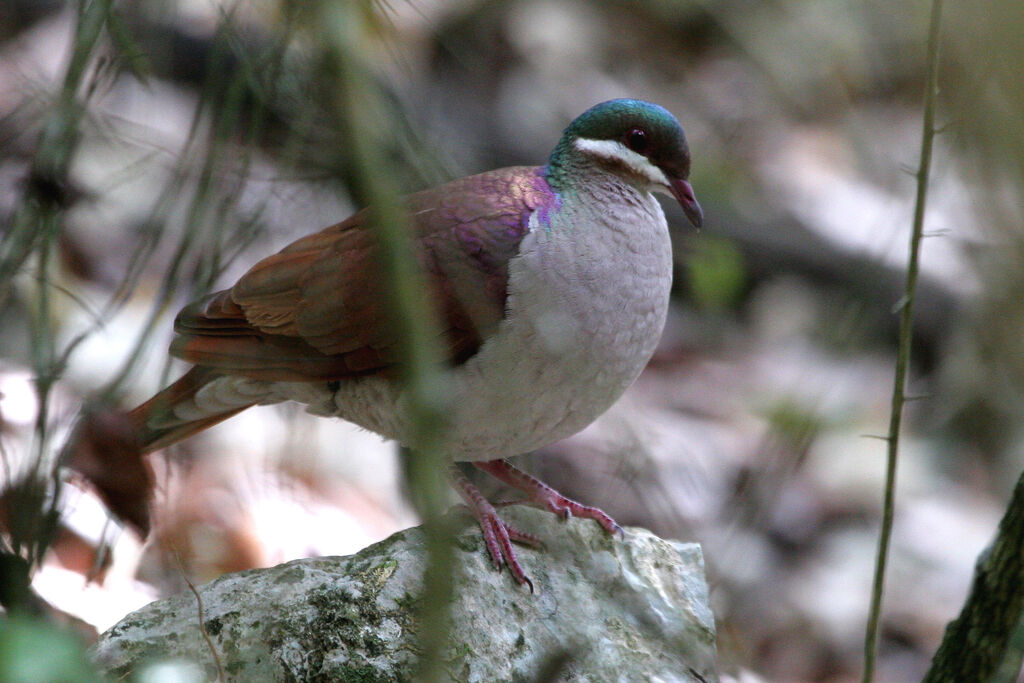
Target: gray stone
(610, 609)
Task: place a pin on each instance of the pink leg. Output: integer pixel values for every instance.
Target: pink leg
(498, 534)
(543, 495)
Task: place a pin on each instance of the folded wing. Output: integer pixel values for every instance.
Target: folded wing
(317, 310)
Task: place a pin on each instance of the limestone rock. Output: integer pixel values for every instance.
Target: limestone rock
(608, 609)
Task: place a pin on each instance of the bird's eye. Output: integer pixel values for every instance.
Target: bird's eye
(636, 140)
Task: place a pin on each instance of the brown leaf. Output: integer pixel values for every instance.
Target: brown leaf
(105, 450)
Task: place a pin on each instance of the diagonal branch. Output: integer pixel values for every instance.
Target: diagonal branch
(976, 642)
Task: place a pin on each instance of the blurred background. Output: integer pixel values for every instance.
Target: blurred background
(151, 151)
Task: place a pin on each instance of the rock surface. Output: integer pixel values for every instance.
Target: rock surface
(609, 609)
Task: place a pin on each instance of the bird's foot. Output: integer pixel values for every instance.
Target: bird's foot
(498, 534)
(544, 496)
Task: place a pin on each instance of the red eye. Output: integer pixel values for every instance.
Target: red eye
(636, 140)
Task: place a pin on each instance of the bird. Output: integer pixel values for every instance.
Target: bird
(551, 284)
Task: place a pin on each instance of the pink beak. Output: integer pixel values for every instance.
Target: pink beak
(683, 192)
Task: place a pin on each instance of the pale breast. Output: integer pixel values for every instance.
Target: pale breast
(585, 313)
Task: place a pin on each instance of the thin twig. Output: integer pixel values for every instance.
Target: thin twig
(34, 229)
(202, 620)
(905, 338)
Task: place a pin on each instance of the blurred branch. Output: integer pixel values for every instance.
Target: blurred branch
(46, 190)
(906, 306)
(976, 642)
(343, 28)
(207, 184)
(218, 169)
(16, 594)
(35, 228)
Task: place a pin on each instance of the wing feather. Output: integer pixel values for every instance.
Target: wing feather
(317, 309)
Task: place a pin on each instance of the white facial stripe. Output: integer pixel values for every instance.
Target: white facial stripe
(613, 150)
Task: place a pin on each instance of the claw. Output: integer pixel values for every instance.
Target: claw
(499, 534)
(546, 497)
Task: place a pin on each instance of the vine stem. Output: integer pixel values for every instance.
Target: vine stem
(906, 308)
(348, 25)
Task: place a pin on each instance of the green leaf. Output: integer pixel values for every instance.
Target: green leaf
(33, 651)
(716, 274)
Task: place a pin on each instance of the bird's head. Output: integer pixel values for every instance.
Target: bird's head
(637, 140)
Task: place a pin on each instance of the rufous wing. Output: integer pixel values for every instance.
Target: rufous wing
(318, 309)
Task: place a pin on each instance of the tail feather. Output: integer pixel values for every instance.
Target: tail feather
(156, 423)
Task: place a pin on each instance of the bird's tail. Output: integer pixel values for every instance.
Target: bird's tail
(174, 414)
